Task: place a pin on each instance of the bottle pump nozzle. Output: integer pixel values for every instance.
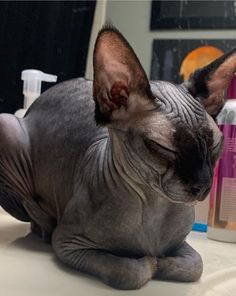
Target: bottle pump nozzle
(32, 84)
(32, 87)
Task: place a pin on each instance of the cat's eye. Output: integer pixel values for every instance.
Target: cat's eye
(218, 146)
(160, 150)
(216, 149)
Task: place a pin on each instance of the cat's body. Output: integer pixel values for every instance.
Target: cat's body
(118, 200)
(75, 145)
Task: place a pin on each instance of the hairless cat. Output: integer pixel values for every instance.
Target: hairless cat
(111, 169)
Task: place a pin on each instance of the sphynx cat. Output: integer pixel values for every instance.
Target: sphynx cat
(111, 169)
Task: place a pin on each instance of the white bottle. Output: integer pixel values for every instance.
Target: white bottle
(32, 87)
(222, 211)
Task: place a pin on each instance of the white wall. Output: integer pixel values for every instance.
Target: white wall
(99, 20)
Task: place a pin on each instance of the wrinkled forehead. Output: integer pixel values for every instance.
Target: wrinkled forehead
(181, 108)
(178, 115)
(178, 105)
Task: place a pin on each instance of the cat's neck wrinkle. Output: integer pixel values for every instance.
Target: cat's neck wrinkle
(130, 167)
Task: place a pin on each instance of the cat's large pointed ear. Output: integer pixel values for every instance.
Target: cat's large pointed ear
(210, 83)
(120, 86)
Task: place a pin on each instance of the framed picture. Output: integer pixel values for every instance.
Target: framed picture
(188, 14)
(172, 60)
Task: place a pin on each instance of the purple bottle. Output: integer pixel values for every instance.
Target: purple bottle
(222, 210)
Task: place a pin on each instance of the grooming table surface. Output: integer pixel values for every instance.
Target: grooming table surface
(28, 267)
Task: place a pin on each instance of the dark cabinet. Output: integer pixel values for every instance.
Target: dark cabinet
(50, 36)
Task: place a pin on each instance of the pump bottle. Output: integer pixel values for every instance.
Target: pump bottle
(222, 210)
(32, 80)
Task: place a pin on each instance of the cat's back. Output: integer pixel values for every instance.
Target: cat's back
(64, 115)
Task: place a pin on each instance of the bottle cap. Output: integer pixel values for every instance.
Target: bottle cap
(231, 92)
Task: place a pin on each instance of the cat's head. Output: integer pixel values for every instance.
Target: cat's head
(167, 132)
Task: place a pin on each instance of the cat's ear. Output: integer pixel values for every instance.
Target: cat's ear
(120, 86)
(210, 83)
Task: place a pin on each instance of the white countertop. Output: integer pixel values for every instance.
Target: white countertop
(28, 267)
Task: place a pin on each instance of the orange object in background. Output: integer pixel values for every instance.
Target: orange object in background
(199, 58)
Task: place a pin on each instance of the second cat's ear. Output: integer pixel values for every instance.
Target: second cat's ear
(210, 83)
(120, 86)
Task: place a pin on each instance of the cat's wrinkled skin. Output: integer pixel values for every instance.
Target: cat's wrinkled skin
(117, 193)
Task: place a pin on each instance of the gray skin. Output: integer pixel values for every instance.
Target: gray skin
(117, 191)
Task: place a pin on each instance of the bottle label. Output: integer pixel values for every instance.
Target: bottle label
(227, 175)
(228, 200)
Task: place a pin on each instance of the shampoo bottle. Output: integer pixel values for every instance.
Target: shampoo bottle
(222, 210)
(32, 87)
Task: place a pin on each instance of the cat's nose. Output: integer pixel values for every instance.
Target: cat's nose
(196, 190)
(200, 192)
(204, 194)
(202, 185)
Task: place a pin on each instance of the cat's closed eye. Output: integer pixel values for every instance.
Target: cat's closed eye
(159, 150)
